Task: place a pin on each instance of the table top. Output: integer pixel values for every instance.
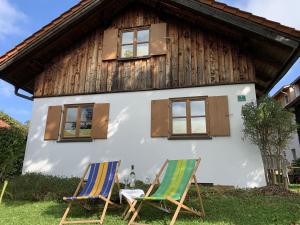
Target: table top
(131, 194)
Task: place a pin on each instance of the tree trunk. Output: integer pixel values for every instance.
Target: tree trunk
(265, 164)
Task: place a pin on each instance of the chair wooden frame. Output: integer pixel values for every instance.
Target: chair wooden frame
(106, 200)
(180, 204)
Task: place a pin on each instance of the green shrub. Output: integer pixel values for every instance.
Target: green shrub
(296, 163)
(12, 147)
(37, 187)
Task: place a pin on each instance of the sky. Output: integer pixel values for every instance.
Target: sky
(21, 18)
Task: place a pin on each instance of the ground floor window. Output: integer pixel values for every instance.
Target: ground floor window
(188, 116)
(77, 121)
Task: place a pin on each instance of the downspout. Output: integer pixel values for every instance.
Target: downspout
(21, 95)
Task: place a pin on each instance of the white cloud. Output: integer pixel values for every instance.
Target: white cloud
(285, 12)
(6, 90)
(11, 19)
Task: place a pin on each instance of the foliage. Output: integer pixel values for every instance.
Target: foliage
(12, 147)
(269, 126)
(234, 207)
(296, 163)
(37, 187)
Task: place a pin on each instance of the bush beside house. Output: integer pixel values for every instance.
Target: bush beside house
(269, 126)
(13, 135)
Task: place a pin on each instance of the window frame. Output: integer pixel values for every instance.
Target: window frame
(78, 121)
(189, 134)
(135, 43)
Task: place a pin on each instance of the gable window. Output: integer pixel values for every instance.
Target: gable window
(77, 122)
(188, 116)
(134, 43)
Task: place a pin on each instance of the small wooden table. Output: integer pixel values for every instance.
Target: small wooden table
(130, 195)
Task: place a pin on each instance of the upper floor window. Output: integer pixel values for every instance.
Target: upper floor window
(135, 43)
(188, 116)
(77, 121)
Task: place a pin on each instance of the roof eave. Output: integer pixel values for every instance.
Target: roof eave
(51, 32)
(289, 63)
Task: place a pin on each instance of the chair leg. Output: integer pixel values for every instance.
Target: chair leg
(131, 209)
(104, 212)
(125, 212)
(175, 215)
(65, 214)
(135, 214)
(199, 196)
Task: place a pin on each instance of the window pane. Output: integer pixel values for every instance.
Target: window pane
(71, 114)
(142, 49)
(198, 125)
(127, 51)
(179, 126)
(70, 129)
(143, 36)
(197, 108)
(86, 114)
(127, 38)
(179, 108)
(85, 129)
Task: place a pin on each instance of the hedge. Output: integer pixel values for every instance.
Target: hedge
(12, 147)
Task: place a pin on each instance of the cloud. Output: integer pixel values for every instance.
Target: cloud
(285, 12)
(11, 19)
(6, 90)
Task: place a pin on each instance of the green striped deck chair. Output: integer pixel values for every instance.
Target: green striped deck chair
(99, 185)
(174, 187)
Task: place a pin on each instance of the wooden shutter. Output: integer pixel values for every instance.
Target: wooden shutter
(53, 123)
(110, 44)
(100, 121)
(158, 41)
(160, 118)
(218, 116)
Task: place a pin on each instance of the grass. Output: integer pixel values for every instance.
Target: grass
(238, 207)
(295, 188)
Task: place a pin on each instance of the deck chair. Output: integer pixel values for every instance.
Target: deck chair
(99, 185)
(173, 188)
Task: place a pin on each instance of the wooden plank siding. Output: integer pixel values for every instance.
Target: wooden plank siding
(194, 57)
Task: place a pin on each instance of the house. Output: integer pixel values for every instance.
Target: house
(289, 97)
(143, 81)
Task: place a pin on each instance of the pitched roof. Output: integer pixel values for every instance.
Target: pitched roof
(257, 19)
(275, 47)
(83, 3)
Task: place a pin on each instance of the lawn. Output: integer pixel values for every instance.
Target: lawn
(295, 188)
(237, 207)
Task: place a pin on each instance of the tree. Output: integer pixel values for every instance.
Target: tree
(12, 147)
(269, 126)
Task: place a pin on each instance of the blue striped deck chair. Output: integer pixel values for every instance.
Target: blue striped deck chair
(99, 185)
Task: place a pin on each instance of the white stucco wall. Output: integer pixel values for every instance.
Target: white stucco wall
(225, 160)
(294, 144)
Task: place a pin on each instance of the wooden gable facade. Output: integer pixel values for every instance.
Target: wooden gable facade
(194, 57)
